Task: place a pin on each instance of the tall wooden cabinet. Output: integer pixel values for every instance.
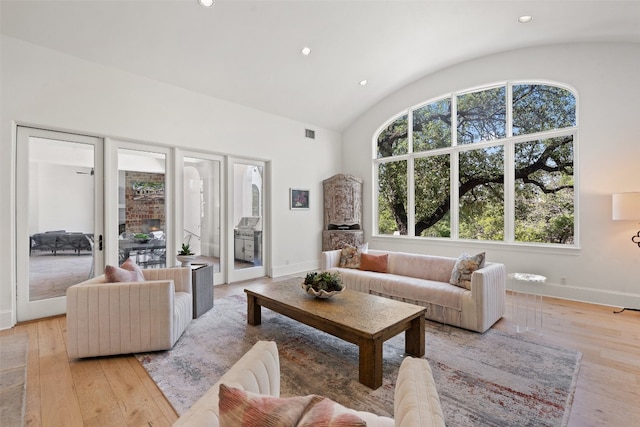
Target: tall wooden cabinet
(342, 212)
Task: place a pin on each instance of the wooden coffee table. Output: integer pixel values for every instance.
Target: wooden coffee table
(359, 318)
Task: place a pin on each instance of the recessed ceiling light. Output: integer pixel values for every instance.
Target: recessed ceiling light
(207, 3)
(305, 51)
(363, 82)
(525, 18)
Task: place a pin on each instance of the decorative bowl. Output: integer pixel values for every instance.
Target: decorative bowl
(322, 294)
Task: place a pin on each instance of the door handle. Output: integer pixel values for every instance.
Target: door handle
(100, 242)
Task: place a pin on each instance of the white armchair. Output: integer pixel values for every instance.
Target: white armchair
(128, 317)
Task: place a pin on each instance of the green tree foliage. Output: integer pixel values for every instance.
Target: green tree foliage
(544, 206)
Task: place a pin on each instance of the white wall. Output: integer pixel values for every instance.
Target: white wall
(44, 88)
(605, 268)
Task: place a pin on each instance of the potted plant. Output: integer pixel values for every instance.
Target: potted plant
(185, 256)
(324, 284)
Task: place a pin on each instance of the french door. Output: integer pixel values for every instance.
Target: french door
(201, 225)
(248, 220)
(59, 217)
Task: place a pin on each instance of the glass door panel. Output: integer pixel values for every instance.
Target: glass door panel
(202, 209)
(59, 196)
(142, 211)
(247, 220)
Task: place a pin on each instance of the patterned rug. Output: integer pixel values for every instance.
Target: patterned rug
(490, 379)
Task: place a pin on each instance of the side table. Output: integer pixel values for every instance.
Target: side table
(202, 288)
(527, 302)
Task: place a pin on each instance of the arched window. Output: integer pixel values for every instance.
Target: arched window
(495, 164)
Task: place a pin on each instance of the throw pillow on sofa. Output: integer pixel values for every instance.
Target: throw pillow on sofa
(239, 408)
(350, 256)
(374, 262)
(464, 267)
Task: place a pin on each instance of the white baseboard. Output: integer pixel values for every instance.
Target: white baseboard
(292, 269)
(588, 295)
(6, 320)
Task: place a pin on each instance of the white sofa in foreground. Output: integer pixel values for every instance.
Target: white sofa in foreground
(424, 280)
(416, 401)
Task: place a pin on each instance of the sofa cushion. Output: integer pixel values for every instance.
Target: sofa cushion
(372, 262)
(464, 267)
(429, 267)
(350, 256)
(239, 408)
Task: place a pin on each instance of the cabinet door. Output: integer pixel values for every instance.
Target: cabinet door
(343, 200)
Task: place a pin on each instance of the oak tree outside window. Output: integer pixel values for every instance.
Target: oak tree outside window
(494, 164)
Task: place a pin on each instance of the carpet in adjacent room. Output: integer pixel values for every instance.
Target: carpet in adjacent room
(490, 379)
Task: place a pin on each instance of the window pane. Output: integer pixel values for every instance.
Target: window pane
(432, 196)
(432, 126)
(393, 140)
(482, 116)
(538, 108)
(392, 198)
(544, 209)
(482, 194)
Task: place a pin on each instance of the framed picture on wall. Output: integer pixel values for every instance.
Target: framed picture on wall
(298, 198)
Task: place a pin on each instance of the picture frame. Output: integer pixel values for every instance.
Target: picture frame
(298, 199)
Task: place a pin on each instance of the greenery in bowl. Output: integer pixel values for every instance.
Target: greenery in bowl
(185, 250)
(141, 237)
(324, 281)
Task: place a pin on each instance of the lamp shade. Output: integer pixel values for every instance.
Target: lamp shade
(626, 206)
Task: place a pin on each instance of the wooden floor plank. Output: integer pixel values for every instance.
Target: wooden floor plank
(164, 406)
(137, 406)
(96, 398)
(59, 401)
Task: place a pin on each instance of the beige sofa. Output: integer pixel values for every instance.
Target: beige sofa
(424, 280)
(128, 317)
(416, 402)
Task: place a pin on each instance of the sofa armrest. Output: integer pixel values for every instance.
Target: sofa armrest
(416, 400)
(181, 277)
(331, 259)
(488, 290)
(257, 371)
(119, 318)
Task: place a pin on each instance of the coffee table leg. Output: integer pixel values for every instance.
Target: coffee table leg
(254, 311)
(371, 363)
(414, 337)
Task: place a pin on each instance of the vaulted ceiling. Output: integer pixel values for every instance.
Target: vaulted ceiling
(248, 52)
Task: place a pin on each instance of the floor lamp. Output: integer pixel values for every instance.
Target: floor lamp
(626, 207)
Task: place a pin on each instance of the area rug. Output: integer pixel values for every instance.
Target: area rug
(13, 378)
(490, 379)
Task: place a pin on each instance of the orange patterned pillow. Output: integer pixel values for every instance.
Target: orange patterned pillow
(239, 408)
(350, 256)
(374, 262)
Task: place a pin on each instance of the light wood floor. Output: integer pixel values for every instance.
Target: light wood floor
(116, 391)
